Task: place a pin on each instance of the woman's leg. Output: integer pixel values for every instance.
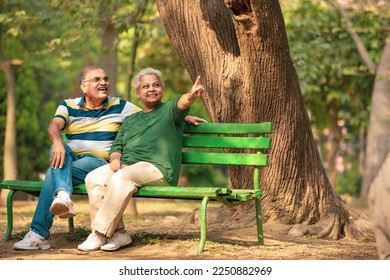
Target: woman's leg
(119, 190)
(96, 187)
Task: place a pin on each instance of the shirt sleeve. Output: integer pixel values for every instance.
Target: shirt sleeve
(117, 144)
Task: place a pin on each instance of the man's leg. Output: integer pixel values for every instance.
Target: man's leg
(55, 179)
(42, 220)
(63, 205)
(84, 165)
(73, 172)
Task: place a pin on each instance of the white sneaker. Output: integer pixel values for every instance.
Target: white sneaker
(32, 241)
(67, 215)
(62, 205)
(117, 241)
(93, 242)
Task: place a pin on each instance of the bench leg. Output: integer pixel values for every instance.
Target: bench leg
(203, 224)
(259, 221)
(8, 231)
(71, 225)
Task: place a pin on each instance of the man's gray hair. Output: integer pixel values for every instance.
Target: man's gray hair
(86, 70)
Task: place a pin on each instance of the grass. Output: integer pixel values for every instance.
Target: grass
(147, 238)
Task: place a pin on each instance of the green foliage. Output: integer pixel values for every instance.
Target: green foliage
(29, 120)
(41, 82)
(327, 61)
(349, 181)
(202, 175)
(331, 72)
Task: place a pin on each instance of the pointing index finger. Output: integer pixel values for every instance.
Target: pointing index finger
(197, 82)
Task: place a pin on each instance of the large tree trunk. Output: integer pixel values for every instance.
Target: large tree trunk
(378, 135)
(240, 49)
(10, 158)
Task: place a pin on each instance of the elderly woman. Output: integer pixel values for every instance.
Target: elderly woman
(147, 150)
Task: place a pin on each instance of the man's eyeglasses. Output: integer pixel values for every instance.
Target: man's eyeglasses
(98, 79)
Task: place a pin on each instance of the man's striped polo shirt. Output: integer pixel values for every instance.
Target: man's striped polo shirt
(91, 131)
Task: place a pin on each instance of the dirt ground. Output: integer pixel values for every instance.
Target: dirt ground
(160, 233)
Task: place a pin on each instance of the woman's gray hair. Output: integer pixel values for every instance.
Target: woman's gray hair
(147, 71)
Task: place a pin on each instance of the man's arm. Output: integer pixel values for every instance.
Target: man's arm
(58, 152)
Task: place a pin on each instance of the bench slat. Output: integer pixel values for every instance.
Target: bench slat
(22, 185)
(231, 128)
(227, 142)
(225, 158)
(181, 192)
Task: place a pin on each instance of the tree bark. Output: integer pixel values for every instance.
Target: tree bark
(378, 134)
(240, 50)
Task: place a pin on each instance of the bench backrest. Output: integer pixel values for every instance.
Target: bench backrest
(227, 143)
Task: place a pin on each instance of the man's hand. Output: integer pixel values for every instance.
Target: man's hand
(58, 152)
(194, 120)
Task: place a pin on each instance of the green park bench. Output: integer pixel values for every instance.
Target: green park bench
(207, 143)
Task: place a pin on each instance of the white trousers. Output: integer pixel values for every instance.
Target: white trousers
(109, 193)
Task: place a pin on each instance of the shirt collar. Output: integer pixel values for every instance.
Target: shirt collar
(82, 103)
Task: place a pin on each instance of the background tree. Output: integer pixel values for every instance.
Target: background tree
(22, 92)
(240, 49)
(10, 170)
(335, 82)
(378, 136)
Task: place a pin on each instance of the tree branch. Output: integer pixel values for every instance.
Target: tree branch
(355, 37)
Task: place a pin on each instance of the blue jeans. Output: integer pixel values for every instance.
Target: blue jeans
(72, 173)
